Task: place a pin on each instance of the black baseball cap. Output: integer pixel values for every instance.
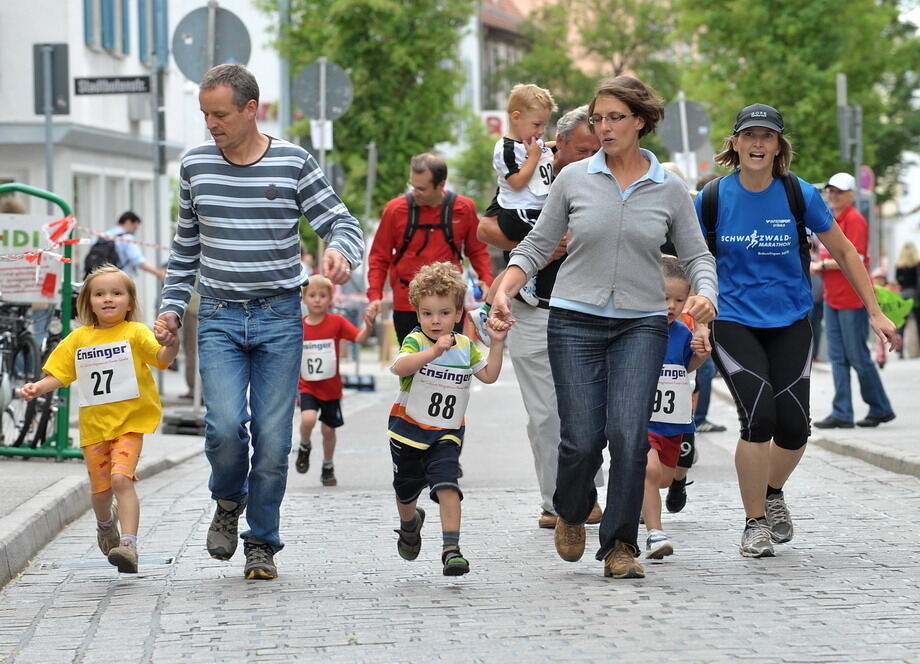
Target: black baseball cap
(759, 115)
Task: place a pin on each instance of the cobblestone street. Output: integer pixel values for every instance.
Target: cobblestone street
(846, 588)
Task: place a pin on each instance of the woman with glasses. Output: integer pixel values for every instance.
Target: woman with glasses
(762, 340)
(607, 325)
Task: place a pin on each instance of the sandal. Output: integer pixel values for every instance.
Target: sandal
(409, 550)
(454, 563)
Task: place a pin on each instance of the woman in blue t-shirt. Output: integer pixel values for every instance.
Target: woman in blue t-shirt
(762, 340)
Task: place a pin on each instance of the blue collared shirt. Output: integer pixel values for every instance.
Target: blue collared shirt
(598, 164)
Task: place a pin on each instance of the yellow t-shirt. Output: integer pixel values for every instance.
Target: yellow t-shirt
(110, 420)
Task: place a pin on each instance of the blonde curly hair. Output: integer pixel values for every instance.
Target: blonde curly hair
(440, 279)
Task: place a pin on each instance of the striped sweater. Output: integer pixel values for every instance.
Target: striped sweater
(238, 225)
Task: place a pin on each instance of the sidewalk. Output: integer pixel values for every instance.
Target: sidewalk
(894, 446)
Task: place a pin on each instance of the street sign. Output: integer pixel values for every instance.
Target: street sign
(191, 46)
(698, 124)
(60, 79)
(866, 178)
(306, 90)
(111, 85)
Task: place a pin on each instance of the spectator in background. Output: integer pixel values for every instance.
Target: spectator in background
(907, 274)
(846, 319)
(130, 256)
(816, 317)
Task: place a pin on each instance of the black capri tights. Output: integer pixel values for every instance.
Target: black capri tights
(768, 373)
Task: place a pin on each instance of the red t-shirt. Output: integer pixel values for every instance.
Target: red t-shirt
(334, 327)
(838, 292)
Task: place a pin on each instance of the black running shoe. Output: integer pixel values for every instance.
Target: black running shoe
(677, 495)
(303, 457)
(327, 477)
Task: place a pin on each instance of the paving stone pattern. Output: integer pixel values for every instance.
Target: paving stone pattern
(846, 589)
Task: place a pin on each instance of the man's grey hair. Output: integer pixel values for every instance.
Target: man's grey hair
(570, 121)
(239, 78)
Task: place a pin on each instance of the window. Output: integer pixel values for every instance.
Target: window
(106, 25)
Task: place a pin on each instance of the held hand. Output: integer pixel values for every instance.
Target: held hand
(497, 330)
(373, 309)
(336, 267)
(369, 319)
(166, 329)
(700, 341)
(500, 317)
(700, 309)
(815, 267)
(885, 330)
(29, 391)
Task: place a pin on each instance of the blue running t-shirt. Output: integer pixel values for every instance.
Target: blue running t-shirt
(761, 281)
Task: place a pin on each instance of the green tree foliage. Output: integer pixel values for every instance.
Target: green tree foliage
(609, 37)
(788, 55)
(471, 171)
(404, 65)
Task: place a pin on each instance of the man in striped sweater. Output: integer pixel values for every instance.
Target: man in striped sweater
(240, 200)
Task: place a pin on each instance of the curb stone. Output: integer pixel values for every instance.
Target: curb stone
(32, 525)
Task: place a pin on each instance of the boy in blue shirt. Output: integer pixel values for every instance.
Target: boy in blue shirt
(672, 411)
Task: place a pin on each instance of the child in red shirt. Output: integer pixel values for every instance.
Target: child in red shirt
(320, 384)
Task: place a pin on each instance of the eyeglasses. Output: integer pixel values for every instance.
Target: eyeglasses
(612, 118)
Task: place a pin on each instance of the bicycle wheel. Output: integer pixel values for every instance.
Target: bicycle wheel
(23, 369)
(9, 426)
(29, 422)
(46, 420)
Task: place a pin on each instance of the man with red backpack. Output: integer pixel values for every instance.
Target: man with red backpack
(426, 225)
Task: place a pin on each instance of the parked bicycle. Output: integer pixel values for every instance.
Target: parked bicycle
(19, 364)
(39, 420)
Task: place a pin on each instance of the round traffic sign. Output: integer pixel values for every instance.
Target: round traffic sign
(190, 42)
(698, 125)
(305, 90)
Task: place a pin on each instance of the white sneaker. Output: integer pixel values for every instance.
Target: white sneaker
(528, 292)
(478, 318)
(657, 546)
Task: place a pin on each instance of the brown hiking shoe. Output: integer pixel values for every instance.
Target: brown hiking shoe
(596, 514)
(547, 520)
(109, 539)
(622, 564)
(124, 558)
(570, 540)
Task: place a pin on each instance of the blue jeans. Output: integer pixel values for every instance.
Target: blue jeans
(249, 359)
(847, 330)
(704, 376)
(605, 371)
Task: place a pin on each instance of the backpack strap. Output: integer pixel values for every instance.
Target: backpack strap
(447, 222)
(797, 205)
(411, 227)
(710, 212)
(446, 225)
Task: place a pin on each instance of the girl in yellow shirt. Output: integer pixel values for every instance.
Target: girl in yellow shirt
(109, 358)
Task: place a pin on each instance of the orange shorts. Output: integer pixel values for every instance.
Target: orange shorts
(112, 457)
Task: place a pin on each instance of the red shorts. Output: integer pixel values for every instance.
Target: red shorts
(668, 447)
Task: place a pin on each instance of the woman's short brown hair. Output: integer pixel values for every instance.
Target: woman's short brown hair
(729, 157)
(84, 303)
(641, 99)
